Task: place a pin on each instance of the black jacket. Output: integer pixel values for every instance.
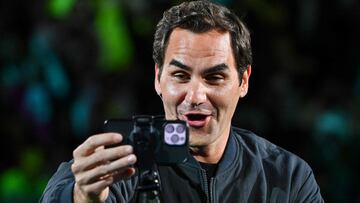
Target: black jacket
(251, 170)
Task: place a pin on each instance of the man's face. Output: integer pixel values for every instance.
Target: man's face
(199, 84)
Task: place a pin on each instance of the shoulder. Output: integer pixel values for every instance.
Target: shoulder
(277, 166)
(268, 155)
(259, 146)
(60, 185)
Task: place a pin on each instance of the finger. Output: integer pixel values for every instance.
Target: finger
(101, 157)
(95, 141)
(96, 188)
(118, 164)
(127, 173)
(99, 148)
(95, 174)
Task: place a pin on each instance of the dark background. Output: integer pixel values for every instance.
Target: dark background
(67, 65)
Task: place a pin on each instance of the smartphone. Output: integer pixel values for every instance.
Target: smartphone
(164, 142)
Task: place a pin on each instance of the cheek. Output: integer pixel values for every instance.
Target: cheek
(171, 90)
(173, 95)
(226, 98)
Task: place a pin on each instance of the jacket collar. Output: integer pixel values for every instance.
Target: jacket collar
(230, 153)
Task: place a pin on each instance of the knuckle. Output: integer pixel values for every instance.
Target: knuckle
(74, 167)
(87, 190)
(91, 141)
(76, 152)
(80, 179)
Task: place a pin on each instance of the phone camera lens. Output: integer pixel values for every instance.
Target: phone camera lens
(169, 128)
(180, 129)
(175, 138)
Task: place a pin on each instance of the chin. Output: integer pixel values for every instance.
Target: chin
(196, 141)
(199, 132)
(196, 145)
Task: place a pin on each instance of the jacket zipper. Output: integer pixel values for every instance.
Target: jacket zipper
(212, 189)
(206, 186)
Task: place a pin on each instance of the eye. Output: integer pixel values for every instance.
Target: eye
(215, 78)
(180, 75)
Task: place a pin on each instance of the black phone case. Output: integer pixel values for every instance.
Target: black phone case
(164, 153)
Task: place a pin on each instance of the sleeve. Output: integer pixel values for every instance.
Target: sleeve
(309, 190)
(60, 186)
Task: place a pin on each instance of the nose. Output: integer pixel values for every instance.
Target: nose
(196, 93)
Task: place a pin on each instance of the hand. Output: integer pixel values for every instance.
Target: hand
(95, 167)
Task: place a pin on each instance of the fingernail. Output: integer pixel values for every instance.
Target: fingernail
(129, 149)
(131, 159)
(117, 137)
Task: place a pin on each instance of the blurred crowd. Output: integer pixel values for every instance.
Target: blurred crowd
(67, 65)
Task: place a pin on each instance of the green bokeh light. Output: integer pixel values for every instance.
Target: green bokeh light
(115, 44)
(13, 183)
(60, 8)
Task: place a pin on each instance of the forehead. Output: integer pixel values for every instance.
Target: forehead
(208, 48)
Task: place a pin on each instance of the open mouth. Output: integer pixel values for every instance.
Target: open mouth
(197, 120)
(196, 117)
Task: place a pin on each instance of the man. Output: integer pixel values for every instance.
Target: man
(202, 60)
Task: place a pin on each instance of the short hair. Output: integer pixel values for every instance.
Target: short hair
(200, 17)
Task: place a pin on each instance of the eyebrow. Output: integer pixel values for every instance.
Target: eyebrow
(217, 68)
(213, 69)
(179, 65)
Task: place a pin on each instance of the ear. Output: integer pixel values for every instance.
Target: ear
(157, 80)
(245, 82)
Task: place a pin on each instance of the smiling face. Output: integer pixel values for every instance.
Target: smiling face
(199, 83)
